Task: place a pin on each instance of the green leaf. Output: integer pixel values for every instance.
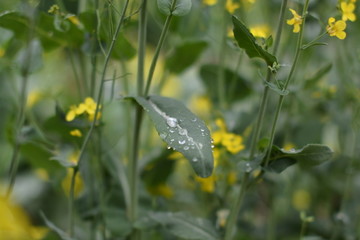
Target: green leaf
(276, 88)
(181, 8)
(15, 22)
(123, 50)
(309, 156)
(116, 221)
(236, 86)
(62, 234)
(247, 42)
(312, 81)
(29, 59)
(185, 226)
(158, 170)
(185, 55)
(181, 130)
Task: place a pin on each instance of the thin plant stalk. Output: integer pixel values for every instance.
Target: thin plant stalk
(21, 115)
(231, 221)
(133, 164)
(221, 72)
(71, 201)
(158, 49)
(288, 79)
(265, 95)
(100, 92)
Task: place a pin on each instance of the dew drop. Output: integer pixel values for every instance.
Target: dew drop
(200, 145)
(182, 142)
(172, 122)
(163, 135)
(195, 159)
(186, 148)
(171, 140)
(193, 120)
(172, 131)
(202, 130)
(248, 167)
(168, 147)
(212, 146)
(182, 131)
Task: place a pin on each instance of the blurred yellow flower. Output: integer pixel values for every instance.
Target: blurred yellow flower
(347, 10)
(296, 21)
(231, 6)
(261, 31)
(76, 133)
(209, 2)
(16, 225)
(66, 183)
(231, 177)
(2, 52)
(42, 174)
(201, 105)
(32, 98)
(231, 141)
(54, 9)
(207, 184)
(288, 146)
(222, 216)
(301, 200)
(336, 28)
(161, 190)
(87, 107)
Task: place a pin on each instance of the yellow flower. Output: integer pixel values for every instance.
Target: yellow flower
(261, 31)
(336, 28)
(42, 174)
(15, 223)
(296, 21)
(209, 2)
(232, 142)
(54, 9)
(207, 184)
(301, 200)
(161, 190)
(231, 6)
(288, 146)
(201, 105)
(76, 133)
(347, 10)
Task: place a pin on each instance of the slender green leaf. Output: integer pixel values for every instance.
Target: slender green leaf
(62, 234)
(181, 7)
(313, 80)
(181, 130)
(185, 226)
(15, 22)
(185, 55)
(276, 88)
(247, 42)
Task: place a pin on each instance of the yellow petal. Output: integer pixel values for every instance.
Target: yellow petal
(341, 35)
(331, 20)
(340, 25)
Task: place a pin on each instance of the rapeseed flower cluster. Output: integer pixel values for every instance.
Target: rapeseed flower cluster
(347, 9)
(231, 141)
(86, 108)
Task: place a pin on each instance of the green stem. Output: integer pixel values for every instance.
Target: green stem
(157, 51)
(292, 70)
(222, 50)
(312, 42)
(76, 75)
(231, 223)
(303, 229)
(71, 202)
(133, 164)
(265, 95)
(100, 91)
